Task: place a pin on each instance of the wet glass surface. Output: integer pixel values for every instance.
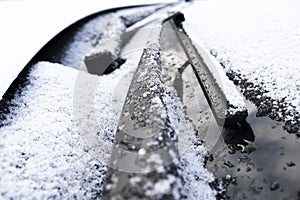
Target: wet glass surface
(271, 171)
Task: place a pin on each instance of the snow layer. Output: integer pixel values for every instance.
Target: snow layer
(111, 39)
(257, 42)
(196, 177)
(102, 35)
(84, 41)
(44, 149)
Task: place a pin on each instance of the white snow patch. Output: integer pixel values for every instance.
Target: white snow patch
(195, 176)
(162, 187)
(111, 39)
(84, 41)
(44, 150)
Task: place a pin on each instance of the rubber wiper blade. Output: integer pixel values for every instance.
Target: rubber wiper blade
(145, 145)
(223, 108)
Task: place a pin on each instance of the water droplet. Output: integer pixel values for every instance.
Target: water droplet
(274, 186)
(142, 151)
(228, 164)
(290, 164)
